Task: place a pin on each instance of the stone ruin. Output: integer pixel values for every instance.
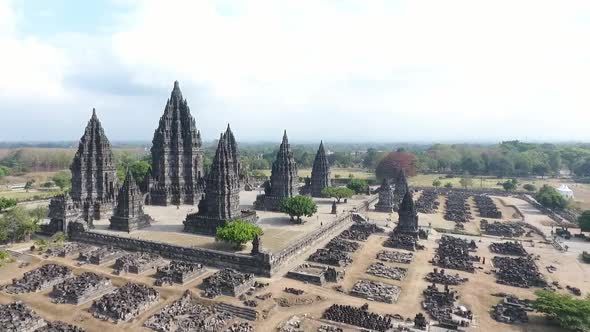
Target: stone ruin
(486, 206)
(428, 202)
(453, 253)
(315, 274)
(221, 202)
(331, 257)
(502, 229)
(138, 262)
(81, 289)
(457, 209)
(100, 255)
(441, 277)
(360, 231)
(518, 272)
(395, 256)
(283, 182)
(376, 291)
(19, 317)
(406, 234)
(178, 272)
(386, 201)
(360, 317)
(320, 173)
(128, 214)
(511, 310)
(39, 279)
(240, 327)
(185, 314)
(402, 241)
(57, 326)
(386, 271)
(227, 282)
(125, 303)
(442, 307)
(68, 249)
(340, 244)
(508, 248)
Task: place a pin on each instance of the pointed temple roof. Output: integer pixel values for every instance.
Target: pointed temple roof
(408, 217)
(320, 173)
(284, 179)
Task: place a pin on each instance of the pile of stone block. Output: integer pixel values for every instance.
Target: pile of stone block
(57, 326)
(68, 249)
(240, 327)
(81, 289)
(19, 317)
(39, 279)
(340, 244)
(502, 229)
(428, 202)
(402, 241)
(125, 303)
(512, 310)
(518, 272)
(457, 209)
(442, 307)
(508, 248)
(360, 231)
(315, 274)
(100, 255)
(376, 291)
(453, 253)
(386, 271)
(185, 314)
(395, 256)
(486, 206)
(138, 262)
(331, 257)
(360, 317)
(227, 282)
(441, 277)
(178, 272)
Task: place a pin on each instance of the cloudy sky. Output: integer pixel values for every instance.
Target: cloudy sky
(338, 70)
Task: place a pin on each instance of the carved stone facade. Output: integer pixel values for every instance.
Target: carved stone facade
(401, 188)
(177, 156)
(128, 214)
(320, 172)
(283, 179)
(408, 217)
(221, 201)
(94, 181)
(386, 201)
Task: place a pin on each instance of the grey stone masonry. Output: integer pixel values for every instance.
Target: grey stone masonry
(408, 217)
(320, 172)
(177, 156)
(284, 180)
(386, 201)
(19, 317)
(221, 202)
(128, 214)
(401, 188)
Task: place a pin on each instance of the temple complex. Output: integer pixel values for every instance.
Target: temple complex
(408, 216)
(320, 172)
(128, 214)
(177, 156)
(94, 180)
(386, 201)
(221, 201)
(401, 188)
(283, 179)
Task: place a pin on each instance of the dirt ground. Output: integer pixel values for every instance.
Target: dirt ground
(474, 294)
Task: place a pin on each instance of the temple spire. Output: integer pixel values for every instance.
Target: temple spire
(320, 172)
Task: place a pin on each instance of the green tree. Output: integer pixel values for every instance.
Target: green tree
(529, 187)
(436, 183)
(140, 169)
(298, 206)
(6, 203)
(39, 213)
(63, 179)
(358, 185)
(448, 185)
(510, 185)
(563, 309)
(584, 221)
(29, 185)
(4, 171)
(466, 182)
(337, 192)
(17, 224)
(238, 232)
(550, 198)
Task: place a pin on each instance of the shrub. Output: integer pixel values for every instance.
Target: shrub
(238, 232)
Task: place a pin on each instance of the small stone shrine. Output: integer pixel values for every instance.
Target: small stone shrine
(128, 215)
(386, 201)
(320, 172)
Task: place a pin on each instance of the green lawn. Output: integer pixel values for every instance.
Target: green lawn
(22, 195)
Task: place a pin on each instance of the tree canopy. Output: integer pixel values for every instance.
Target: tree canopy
(298, 206)
(584, 221)
(510, 185)
(6, 203)
(238, 232)
(337, 192)
(390, 166)
(17, 224)
(563, 309)
(550, 198)
(63, 180)
(358, 185)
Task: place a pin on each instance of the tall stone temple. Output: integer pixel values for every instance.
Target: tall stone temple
(128, 213)
(283, 182)
(408, 217)
(177, 156)
(221, 201)
(401, 188)
(320, 172)
(386, 201)
(94, 181)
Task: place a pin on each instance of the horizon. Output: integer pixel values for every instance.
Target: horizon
(380, 72)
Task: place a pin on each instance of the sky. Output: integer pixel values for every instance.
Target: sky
(337, 70)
